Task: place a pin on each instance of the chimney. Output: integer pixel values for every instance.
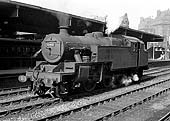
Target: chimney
(64, 22)
(64, 30)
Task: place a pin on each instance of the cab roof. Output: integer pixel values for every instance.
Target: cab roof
(133, 39)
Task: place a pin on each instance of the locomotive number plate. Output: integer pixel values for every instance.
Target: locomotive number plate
(50, 44)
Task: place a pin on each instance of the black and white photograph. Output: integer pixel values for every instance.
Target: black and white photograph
(84, 60)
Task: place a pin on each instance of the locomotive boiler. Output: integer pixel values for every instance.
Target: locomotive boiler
(85, 61)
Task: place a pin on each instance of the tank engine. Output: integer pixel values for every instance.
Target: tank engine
(84, 61)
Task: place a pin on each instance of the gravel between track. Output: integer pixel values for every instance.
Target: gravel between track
(151, 111)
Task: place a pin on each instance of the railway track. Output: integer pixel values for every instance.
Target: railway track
(156, 70)
(166, 117)
(55, 102)
(106, 105)
(153, 110)
(5, 92)
(26, 104)
(23, 99)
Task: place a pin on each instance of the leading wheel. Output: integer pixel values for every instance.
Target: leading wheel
(40, 89)
(88, 85)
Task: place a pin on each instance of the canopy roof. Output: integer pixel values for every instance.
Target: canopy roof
(16, 16)
(144, 36)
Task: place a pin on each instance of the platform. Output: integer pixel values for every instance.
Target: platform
(13, 71)
(158, 63)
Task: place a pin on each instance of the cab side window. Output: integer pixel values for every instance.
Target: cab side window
(134, 46)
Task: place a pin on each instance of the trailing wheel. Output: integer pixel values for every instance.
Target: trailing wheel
(88, 85)
(140, 73)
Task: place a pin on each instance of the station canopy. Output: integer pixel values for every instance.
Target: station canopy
(16, 16)
(144, 36)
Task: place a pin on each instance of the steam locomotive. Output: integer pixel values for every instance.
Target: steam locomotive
(84, 61)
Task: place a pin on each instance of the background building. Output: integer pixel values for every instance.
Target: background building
(159, 25)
